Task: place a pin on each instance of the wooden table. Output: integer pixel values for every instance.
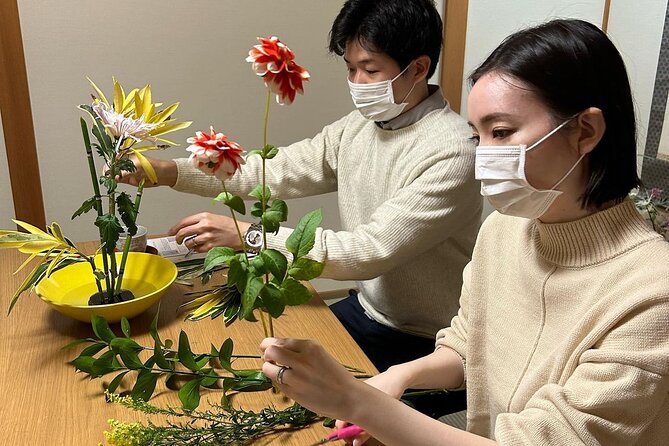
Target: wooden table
(45, 402)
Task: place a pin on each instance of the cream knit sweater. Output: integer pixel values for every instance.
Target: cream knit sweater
(565, 330)
(408, 203)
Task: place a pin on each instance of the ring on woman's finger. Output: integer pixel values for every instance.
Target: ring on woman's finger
(279, 374)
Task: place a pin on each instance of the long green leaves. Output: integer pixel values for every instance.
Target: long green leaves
(108, 353)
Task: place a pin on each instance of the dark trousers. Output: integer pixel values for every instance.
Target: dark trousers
(385, 347)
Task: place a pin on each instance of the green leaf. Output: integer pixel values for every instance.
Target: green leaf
(104, 364)
(83, 363)
(189, 394)
(113, 385)
(300, 242)
(210, 382)
(274, 215)
(253, 287)
(128, 350)
(225, 353)
(145, 385)
(234, 202)
(238, 274)
(109, 183)
(258, 267)
(78, 342)
(127, 210)
(254, 152)
(275, 262)
(305, 269)
(153, 328)
(255, 383)
(257, 193)
(159, 356)
(110, 229)
(269, 152)
(101, 328)
(126, 164)
(294, 293)
(92, 350)
(256, 209)
(272, 298)
(125, 327)
(85, 207)
(185, 353)
(218, 256)
(100, 134)
(125, 344)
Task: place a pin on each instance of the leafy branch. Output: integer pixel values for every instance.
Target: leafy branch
(111, 354)
(221, 425)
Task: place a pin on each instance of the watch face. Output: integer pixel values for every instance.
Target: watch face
(254, 238)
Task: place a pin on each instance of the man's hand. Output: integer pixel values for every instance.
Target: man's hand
(211, 230)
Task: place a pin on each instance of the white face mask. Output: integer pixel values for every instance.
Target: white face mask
(375, 101)
(501, 170)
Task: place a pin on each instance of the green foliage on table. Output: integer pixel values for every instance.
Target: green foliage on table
(111, 354)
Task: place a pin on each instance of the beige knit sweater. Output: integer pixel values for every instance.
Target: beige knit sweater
(408, 204)
(565, 329)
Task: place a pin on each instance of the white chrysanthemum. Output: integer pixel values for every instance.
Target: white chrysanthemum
(122, 126)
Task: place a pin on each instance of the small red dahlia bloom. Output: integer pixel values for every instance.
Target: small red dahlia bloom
(214, 154)
(274, 62)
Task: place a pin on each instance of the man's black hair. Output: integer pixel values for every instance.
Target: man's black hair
(402, 29)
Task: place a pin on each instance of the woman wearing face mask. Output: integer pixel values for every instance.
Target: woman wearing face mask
(563, 332)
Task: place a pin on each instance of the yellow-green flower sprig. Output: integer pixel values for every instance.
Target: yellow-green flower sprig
(219, 426)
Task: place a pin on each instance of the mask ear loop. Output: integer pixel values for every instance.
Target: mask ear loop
(393, 80)
(568, 172)
(551, 133)
(578, 161)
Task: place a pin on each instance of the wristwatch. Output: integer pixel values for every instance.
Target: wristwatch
(253, 238)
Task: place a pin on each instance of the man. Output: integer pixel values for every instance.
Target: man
(402, 164)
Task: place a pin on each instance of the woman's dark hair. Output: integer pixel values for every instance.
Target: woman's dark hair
(402, 29)
(572, 65)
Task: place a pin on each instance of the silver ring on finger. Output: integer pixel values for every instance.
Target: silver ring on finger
(279, 374)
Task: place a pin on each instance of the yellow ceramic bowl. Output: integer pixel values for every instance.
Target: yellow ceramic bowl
(69, 289)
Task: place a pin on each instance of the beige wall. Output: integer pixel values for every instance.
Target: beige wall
(6, 202)
(192, 52)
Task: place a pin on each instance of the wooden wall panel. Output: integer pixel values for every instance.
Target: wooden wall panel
(453, 53)
(17, 120)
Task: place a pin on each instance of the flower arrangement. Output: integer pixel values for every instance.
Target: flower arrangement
(118, 126)
(266, 282)
(654, 208)
(262, 283)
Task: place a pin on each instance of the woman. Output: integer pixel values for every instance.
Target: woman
(563, 332)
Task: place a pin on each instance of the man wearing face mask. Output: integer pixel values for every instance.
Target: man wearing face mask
(403, 164)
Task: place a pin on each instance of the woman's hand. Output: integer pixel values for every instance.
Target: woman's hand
(390, 382)
(210, 231)
(313, 378)
(166, 171)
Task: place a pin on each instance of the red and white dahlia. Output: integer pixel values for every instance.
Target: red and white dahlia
(214, 154)
(274, 62)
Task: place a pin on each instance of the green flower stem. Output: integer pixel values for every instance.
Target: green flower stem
(359, 373)
(128, 240)
(264, 205)
(112, 255)
(98, 198)
(239, 233)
